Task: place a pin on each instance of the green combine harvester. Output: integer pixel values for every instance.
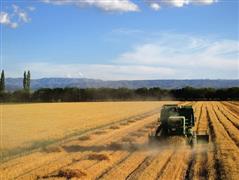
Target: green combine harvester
(178, 121)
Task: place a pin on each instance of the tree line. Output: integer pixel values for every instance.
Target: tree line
(120, 94)
(71, 94)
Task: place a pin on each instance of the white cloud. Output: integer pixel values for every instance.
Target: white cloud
(155, 6)
(5, 20)
(178, 3)
(106, 5)
(187, 54)
(14, 18)
(204, 1)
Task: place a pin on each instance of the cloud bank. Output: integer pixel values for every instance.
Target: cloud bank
(165, 56)
(128, 5)
(187, 56)
(112, 5)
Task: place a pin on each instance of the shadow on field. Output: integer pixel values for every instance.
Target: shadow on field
(111, 147)
(27, 149)
(129, 147)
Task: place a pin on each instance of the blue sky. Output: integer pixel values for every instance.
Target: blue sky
(121, 39)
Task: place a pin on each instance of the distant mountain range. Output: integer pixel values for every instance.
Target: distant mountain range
(16, 83)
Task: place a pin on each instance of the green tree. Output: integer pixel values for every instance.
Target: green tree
(28, 81)
(2, 82)
(24, 80)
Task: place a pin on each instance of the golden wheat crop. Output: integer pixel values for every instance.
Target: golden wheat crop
(122, 151)
(24, 124)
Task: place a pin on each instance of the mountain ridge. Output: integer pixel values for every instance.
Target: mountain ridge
(16, 83)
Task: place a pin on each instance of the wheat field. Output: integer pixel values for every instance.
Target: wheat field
(121, 150)
(24, 124)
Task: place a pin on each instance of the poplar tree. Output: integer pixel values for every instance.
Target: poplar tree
(25, 80)
(28, 82)
(2, 82)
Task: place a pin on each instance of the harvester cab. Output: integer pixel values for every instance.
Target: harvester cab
(178, 121)
(176, 125)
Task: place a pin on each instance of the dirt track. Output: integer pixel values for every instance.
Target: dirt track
(121, 151)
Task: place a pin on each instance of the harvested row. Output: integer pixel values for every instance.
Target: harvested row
(157, 165)
(124, 168)
(229, 127)
(202, 121)
(202, 163)
(198, 113)
(226, 151)
(177, 166)
(234, 102)
(229, 114)
(234, 108)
